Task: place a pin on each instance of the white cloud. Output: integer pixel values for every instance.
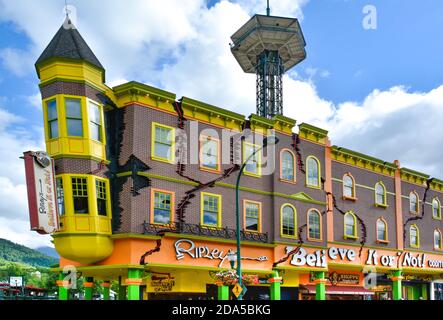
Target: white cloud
(17, 61)
(18, 231)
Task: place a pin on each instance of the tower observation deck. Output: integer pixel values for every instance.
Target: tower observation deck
(269, 46)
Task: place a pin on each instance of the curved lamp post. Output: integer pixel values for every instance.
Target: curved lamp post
(268, 141)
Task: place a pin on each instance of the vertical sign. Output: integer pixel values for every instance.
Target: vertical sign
(42, 196)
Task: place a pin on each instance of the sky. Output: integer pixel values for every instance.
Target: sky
(372, 76)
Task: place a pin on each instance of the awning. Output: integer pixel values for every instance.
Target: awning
(350, 290)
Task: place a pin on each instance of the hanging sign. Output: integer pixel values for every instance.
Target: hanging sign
(42, 197)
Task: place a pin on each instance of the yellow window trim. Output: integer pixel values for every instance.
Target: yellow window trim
(294, 163)
(281, 222)
(386, 240)
(353, 196)
(418, 236)
(438, 217)
(245, 201)
(319, 173)
(257, 155)
(354, 233)
(219, 209)
(92, 194)
(204, 138)
(171, 159)
(171, 214)
(385, 200)
(320, 222)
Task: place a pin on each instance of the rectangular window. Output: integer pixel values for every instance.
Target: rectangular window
(253, 164)
(210, 153)
(100, 187)
(52, 119)
(80, 195)
(162, 204)
(95, 121)
(60, 196)
(163, 142)
(211, 209)
(74, 117)
(252, 216)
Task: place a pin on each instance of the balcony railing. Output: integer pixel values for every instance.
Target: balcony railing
(199, 230)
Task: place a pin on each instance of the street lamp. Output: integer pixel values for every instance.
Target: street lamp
(232, 257)
(268, 141)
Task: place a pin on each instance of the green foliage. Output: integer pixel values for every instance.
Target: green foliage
(13, 252)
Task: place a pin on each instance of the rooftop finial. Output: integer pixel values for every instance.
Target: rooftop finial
(66, 9)
(268, 10)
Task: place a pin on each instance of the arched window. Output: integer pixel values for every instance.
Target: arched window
(414, 236)
(436, 209)
(313, 172)
(287, 159)
(314, 225)
(348, 186)
(380, 194)
(382, 230)
(438, 240)
(288, 221)
(350, 225)
(413, 202)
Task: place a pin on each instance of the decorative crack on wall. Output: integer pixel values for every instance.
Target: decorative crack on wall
(156, 249)
(420, 217)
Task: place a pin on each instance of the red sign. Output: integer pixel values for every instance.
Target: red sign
(42, 196)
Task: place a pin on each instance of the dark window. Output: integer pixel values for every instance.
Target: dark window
(101, 197)
(80, 195)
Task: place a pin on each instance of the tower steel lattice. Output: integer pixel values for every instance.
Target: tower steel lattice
(268, 46)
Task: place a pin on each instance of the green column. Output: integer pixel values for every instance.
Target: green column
(121, 292)
(222, 292)
(275, 286)
(396, 285)
(134, 280)
(89, 288)
(63, 291)
(320, 285)
(106, 286)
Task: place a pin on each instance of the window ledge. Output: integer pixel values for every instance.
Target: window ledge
(383, 241)
(350, 237)
(313, 187)
(288, 237)
(162, 160)
(438, 249)
(415, 213)
(436, 218)
(349, 198)
(254, 175)
(288, 181)
(216, 171)
(381, 205)
(314, 239)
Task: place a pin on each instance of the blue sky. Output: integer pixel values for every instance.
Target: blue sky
(378, 91)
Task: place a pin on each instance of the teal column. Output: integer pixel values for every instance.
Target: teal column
(134, 280)
(106, 286)
(275, 286)
(222, 292)
(63, 291)
(89, 288)
(396, 285)
(320, 285)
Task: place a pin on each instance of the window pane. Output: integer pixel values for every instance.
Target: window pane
(436, 208)
(413, 202)
(60, 197)
(314, 225)
(94, 113)
(288, 221)
(52, 110)
(348, 186)
(381, 230)
(162, 207)
(53, 129)
(414, 240)
(380, 194)
(162, 151)
(252, 216)
(252, 164)
(349, 225)
(95, 131)
(313, 172)
(210, 218)
(287, 166)
(73, 108)
(80, 195)
(437, 239)
(210, 210)
(210, 154)
(101, 197)
(75, 128)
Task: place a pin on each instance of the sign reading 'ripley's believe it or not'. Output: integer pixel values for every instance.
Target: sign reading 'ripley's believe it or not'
(372, 258)
(42, 197)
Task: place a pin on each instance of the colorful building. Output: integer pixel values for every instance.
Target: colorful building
(137, 209)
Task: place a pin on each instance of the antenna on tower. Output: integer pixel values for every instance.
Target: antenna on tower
(268, 10)
(66, 9)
